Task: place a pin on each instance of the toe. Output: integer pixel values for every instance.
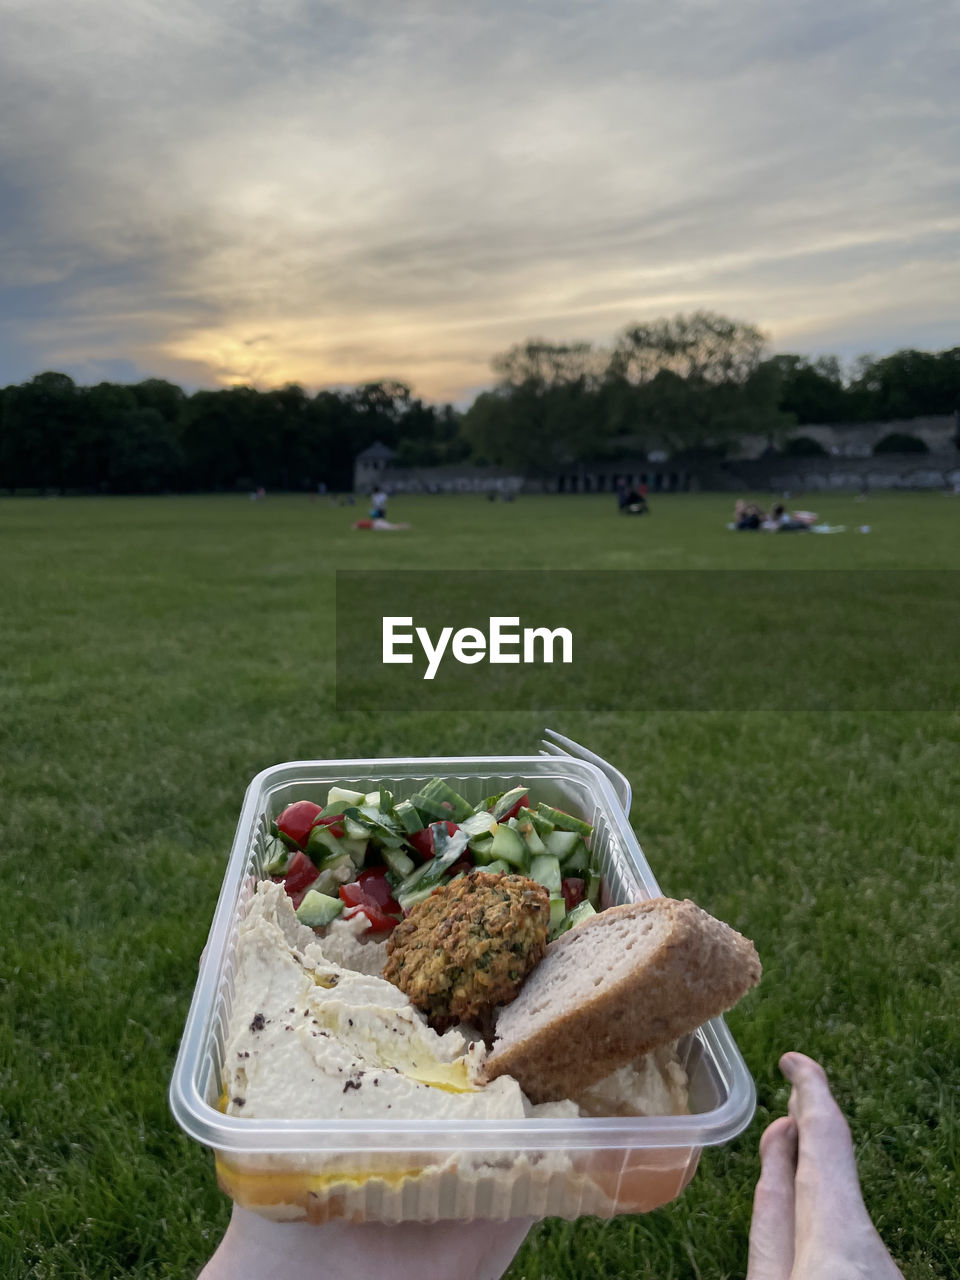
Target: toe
(772, 1227)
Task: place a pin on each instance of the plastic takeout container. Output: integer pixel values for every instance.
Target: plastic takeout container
(395, 1170)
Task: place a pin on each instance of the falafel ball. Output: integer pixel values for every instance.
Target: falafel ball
(469, 946)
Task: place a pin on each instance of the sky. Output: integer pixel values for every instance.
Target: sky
(337, 191)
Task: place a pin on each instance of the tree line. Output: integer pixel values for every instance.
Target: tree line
(689, 384)
(692, 385)
(152, 437)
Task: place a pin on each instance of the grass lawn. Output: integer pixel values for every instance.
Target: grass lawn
(155, 654)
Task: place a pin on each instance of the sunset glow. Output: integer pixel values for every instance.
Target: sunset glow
(336, 193)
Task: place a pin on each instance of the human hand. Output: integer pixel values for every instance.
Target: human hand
(254, 1248)
(809, 1219)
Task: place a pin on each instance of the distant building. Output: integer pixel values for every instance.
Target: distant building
(858, 439)
(370, 465)
(755, 464)
(608, 475)
(462, 478)
(602, 476)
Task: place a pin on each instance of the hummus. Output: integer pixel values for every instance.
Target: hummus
(348, 944)
(311, 1037)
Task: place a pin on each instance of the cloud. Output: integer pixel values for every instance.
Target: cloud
(335, 192)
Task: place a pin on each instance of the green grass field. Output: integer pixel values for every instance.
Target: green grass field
(155, 654)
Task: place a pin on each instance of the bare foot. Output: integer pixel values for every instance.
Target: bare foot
(809, 1219)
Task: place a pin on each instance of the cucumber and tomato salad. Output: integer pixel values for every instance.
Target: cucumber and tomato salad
(367, 853)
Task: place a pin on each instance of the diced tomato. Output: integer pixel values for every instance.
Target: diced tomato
(379, 923)
(354, 895)
(297, 819)
(376, 886)
(462, 864)
(422, 840)
(299, 877)
(515, 809)
(371, 894)
(574, 891)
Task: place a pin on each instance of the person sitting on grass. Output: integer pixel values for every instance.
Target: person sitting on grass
(379, 526)
(746, 515)
(633, 503)
(809, 1219)
(782, 521)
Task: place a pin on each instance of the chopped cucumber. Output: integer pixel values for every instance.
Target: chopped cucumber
(438, 800)
(562, 843)
(330, 880)
(507, 801)
(482, 849)
(543, 842)
(421, 881)
(357, 850)
(341, 796)
(498, 867)
(582, 911)
(322, 842)
(564, 821)
(374, 823)
(540, 823)
(340, 864)
(558, 911)
(577, 860)
(355, 830)
(398, 862)
(276, 857)
(530, 838)
(412, 881)
(406, 814)
(318, 909)
(545, 869)
(593, 889)
(478, 824)
(407, 901)
(508, 846)
(433, 870)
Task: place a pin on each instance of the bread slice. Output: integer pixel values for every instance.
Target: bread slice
(625, 981)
